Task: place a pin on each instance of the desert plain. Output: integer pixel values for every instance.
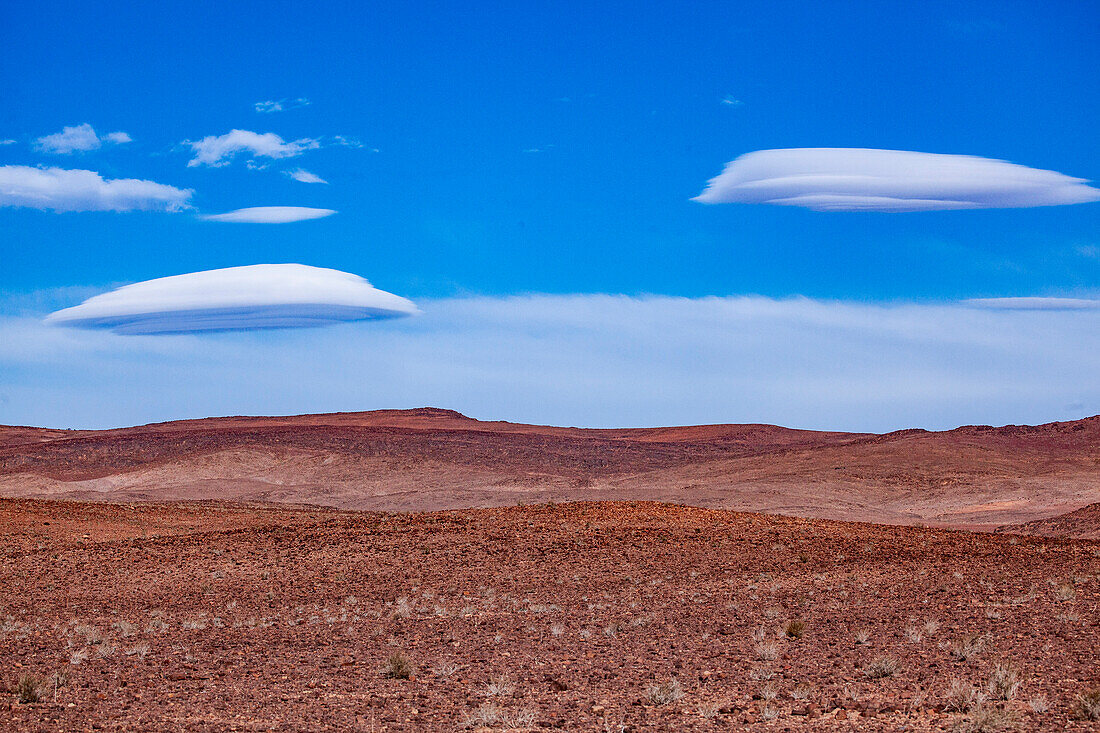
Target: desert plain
(423, 571)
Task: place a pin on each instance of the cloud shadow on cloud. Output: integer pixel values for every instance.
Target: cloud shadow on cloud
(236, 299)
(862, 179)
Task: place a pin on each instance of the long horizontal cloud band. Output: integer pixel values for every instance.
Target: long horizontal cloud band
(593, 360)
(236, 298)
(861, 179)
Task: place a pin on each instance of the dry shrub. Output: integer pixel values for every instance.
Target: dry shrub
(961, 696)
(1087, 705)
(880, 667)
(767, 651)
(398, 667)
(28, 689)
(985, 719)
(1065, 592)
(1003, 682)
(967, 647)
(795, 629)
(665, 692)
(500, 686)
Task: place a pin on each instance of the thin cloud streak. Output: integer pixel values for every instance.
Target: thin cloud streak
(280, 105)
(860, 179)
(270, 215)
(1034, 303)
(595, 360)
(303, 176)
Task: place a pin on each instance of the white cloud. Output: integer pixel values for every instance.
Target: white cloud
(58, 189)
(280, 105)
(236, 298)
(731, 101)
(270, 215)
(219, 150)
(350, 142)
(858, 179)
(595, 360)
(79, 138)
(1034, 303)
(300, 174)
(9, 141)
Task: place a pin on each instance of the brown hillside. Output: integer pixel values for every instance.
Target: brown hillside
(426, 459)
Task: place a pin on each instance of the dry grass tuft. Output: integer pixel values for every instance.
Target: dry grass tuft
(767, 651)
(961, 696)
(1087, 705)
(665, 692)
(500, 686)
(984, 719)
(1003, 682)
(794, 629)
(28, 689)
(881, 667)
(398, 667)
(966, 648)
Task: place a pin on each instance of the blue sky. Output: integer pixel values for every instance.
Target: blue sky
(503, 150)
(452, 96)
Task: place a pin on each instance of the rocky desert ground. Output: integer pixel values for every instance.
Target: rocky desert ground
(162, 609)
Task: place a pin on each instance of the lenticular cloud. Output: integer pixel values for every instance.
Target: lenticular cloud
(236, 298)
(270, 215)
(861, 179)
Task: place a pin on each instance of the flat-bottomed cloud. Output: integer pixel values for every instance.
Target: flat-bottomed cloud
(862, 179)
(236, 298)
(58, 189)
(270, 215)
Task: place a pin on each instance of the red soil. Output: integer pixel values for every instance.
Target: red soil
(221, 617)
(1083, 523)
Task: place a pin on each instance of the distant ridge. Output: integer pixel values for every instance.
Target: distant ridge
(975, 476)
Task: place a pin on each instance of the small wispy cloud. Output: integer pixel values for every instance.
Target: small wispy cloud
(78, 139)
(280, 105)
(58, 189)
(731, 101)
(270, 215)
(304, 176)
(9, 141)
(861, 179)
(236, 299)
(219, 150)
(350, 142)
